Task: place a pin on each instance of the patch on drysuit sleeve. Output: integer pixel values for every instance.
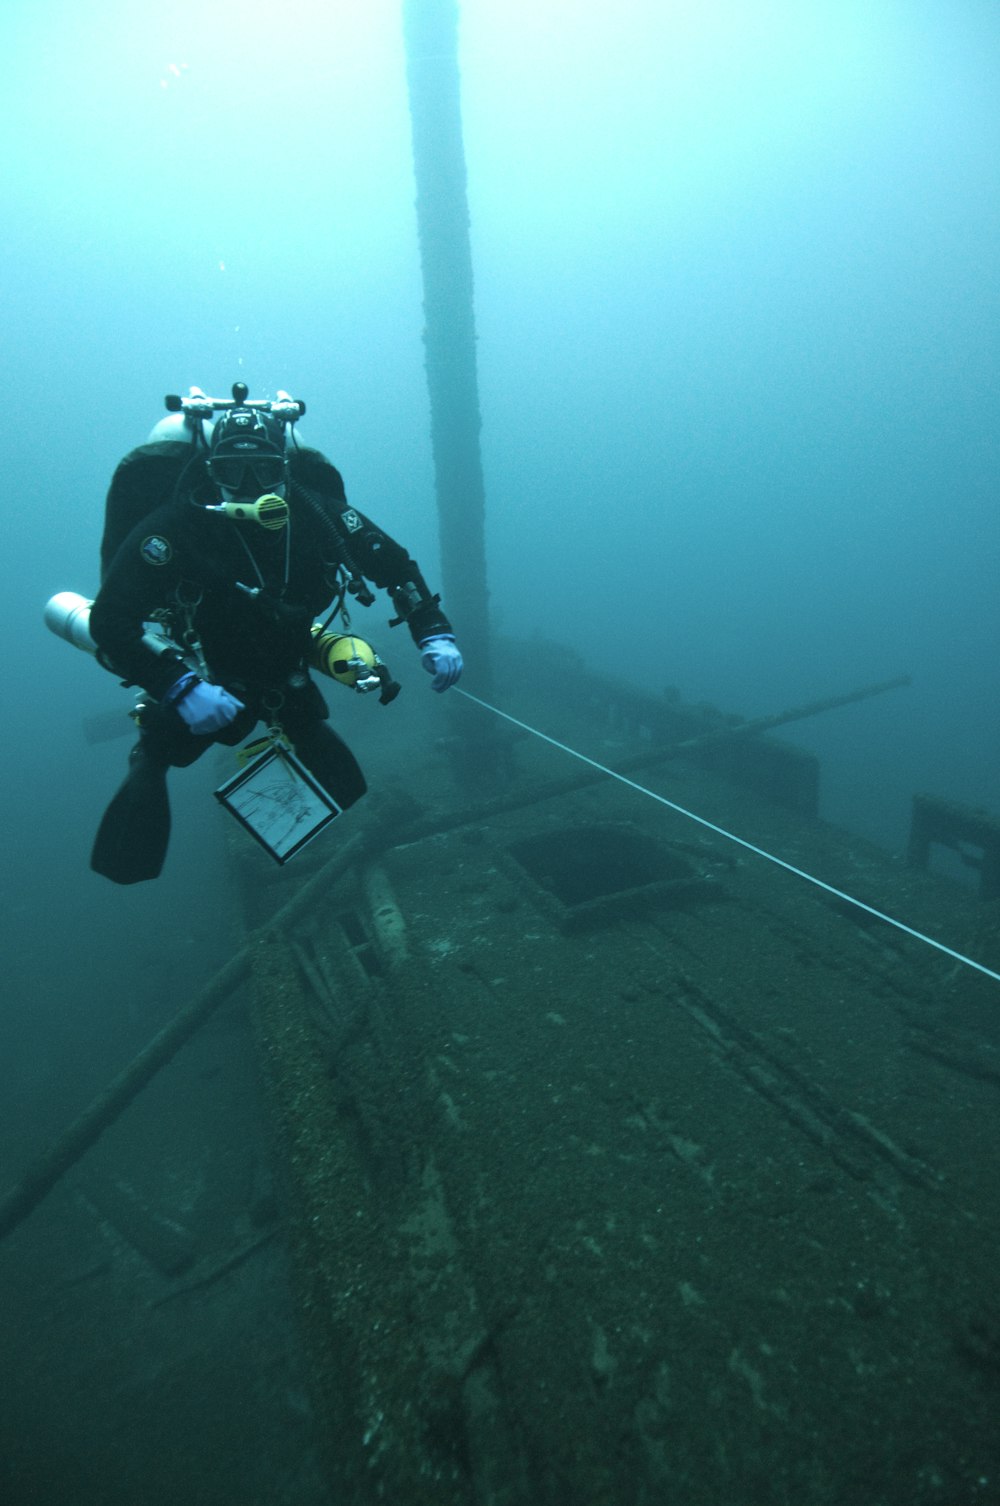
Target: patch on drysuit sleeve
(156, 550)
(351, 520)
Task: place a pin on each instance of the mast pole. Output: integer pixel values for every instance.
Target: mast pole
(431, 39)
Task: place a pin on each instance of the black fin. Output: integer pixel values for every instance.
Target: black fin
(132, 839)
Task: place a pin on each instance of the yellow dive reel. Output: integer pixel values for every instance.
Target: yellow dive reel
(352, 662)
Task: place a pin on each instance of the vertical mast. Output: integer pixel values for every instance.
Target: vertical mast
(431, 38)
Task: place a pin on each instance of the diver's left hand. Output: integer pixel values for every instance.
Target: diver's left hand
(441, 658)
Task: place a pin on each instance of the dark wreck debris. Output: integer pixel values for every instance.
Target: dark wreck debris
(972, 835)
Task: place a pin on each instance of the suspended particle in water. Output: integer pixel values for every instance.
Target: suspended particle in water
(175, 71)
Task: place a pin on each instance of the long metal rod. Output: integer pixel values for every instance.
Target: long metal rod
(719, 737)
(103, 1110)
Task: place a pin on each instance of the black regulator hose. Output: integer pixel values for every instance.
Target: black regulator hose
(356, 585)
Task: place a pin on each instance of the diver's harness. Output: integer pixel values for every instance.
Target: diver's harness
(357, 664)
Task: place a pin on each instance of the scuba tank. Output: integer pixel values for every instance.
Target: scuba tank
(67, 614)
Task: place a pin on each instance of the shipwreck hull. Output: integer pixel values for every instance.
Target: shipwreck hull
(621, 1166)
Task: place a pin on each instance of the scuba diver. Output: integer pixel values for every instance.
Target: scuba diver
(230, 538)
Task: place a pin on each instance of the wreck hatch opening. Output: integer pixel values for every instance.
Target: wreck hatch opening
(583, 874)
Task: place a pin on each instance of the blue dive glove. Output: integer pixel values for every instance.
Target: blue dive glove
(441, 658)
(206, 708)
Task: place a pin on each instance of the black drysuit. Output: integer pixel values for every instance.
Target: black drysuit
(248, 596)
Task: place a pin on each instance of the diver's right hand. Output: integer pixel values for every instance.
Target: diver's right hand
(205, 708)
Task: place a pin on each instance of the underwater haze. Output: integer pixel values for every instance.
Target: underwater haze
(737, 297)
(736, 280)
